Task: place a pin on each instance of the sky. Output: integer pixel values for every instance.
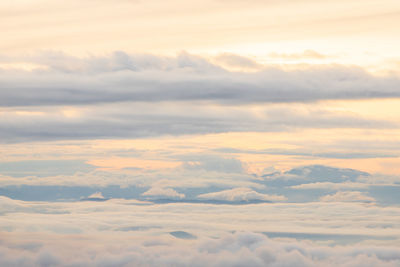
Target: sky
(200, 133)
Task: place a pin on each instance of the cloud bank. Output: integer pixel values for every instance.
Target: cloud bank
(144, 78)
(241, 249)
(132, 233)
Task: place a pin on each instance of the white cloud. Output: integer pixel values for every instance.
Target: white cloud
(239, 249)
(96, 195)
(240, 194)
(163, 192)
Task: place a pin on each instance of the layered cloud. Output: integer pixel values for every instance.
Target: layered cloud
(276, 144)
(144, 78)
(140, 120)
(132, 96)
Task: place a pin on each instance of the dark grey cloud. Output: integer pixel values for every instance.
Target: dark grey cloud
(134, 120)
(145, 78)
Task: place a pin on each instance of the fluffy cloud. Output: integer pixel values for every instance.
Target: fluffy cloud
(200, 219)
(207, 178)
(240, 194)
(163, 193)
(240, 249)
(131, 233)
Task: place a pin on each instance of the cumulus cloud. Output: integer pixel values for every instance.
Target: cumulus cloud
(347, 196)
(240, 194)
(163, 192)
(96, 195)
(213, 178)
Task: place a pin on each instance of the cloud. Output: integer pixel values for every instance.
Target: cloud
(133, 96)
(96, 195)
(163, 193)
(332, 186)
(304, 151)
(347, 196)
(239, 195)
(144, 78)
(216, 181)
(149, 120)
(239, 249)
(212, 163)
(313, 174)
(236, 61)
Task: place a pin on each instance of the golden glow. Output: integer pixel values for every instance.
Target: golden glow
(71, 113)
(25, 66)
(122, 163)
(339, 30)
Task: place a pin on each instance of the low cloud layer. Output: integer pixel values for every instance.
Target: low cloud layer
(241, 249)
(132, 233)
